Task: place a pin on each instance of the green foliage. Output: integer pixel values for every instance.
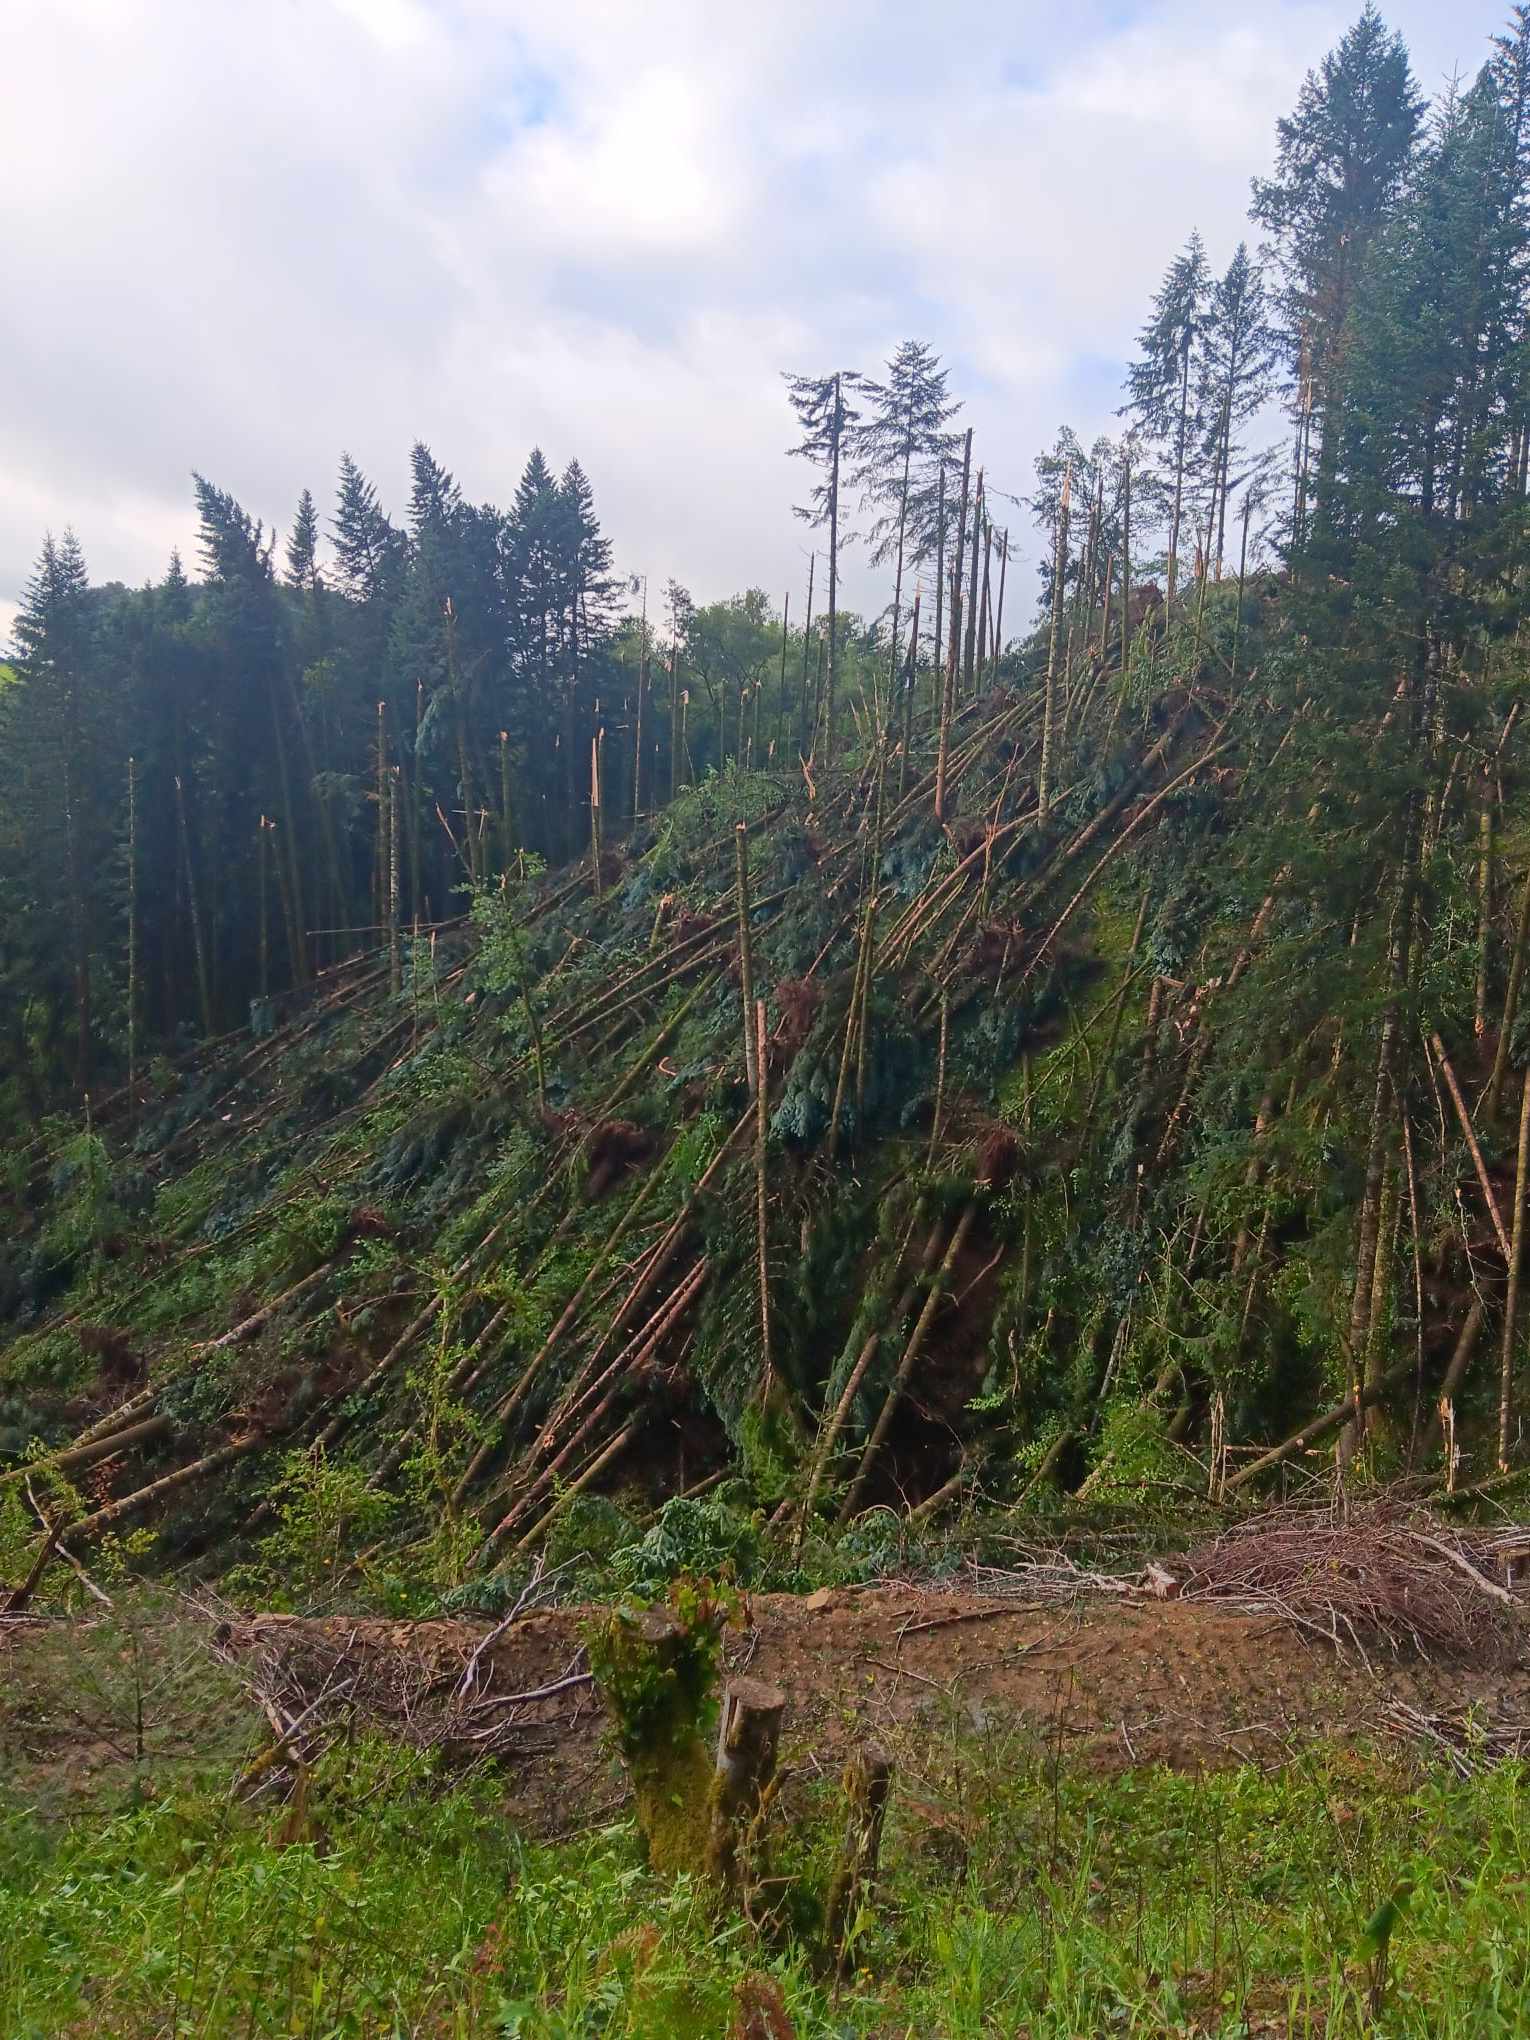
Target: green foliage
(326, 1511)
(1153, 1902)
(660, 1702)
(83, 1214)
(702, 1539)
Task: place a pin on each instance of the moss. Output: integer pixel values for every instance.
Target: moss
(657, 1669)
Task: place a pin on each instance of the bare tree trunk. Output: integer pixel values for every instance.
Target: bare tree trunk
(745, 949)
(1511, 1295)
(1179, 467)
(1484, 906)
(897, 612)
(970, 651)
(905, 1368)
(1126, 569)
(1049, 699)
(204, 991)
(833, 569)
(998, 621)
(944, 742)
(938, 640)
(597, 846)
(395, 955)
(1510, 1004)
(910, 677)
(779, 745)
(1248, 509)
(987, 614)
(807, 631)
(762, 1192)
(674, 719)
(867, 1781)
(748, 1732)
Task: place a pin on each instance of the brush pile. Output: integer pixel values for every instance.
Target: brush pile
(431, 1692)
(1375, 1572)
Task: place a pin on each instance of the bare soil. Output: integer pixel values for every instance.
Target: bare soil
(1112, 1682)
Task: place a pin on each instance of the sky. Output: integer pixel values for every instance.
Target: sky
(241, 239)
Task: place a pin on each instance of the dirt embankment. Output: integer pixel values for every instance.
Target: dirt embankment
(1109, 1681)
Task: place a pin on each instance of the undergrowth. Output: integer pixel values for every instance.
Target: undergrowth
(1020, 1894)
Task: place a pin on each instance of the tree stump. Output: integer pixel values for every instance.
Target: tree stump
(747, 1735)
(656, 1676)
(867, 1780)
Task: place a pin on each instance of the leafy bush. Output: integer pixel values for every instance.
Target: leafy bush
(701, 1539)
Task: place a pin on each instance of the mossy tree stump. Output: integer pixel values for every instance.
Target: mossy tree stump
(657, 1673)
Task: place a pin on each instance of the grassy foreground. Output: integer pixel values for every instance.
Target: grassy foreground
(1020, 1895)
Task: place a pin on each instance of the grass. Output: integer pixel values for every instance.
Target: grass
(1021, 1895)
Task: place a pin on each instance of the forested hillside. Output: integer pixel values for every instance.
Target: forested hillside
(506, 1047)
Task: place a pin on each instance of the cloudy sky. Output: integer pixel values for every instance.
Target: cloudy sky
(242, 237)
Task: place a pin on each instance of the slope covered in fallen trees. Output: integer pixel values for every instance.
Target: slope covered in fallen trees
(1137, 1146)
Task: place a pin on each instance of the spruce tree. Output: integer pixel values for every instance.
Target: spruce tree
(303, 546)
(1341, 159)
(905, 431)
(1236, 372)
(60, 738)
(368, 549)
(1161, 387)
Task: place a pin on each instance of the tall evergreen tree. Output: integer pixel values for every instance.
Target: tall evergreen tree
(1341, 160)
(905, 431)
(1161, 388)
(828, 419)
(369, 549)
(1236, 373)
(303, 545)
(60, 739)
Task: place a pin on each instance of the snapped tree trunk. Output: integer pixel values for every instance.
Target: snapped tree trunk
(1049, 699)
(867, 1782)
(748, 1732)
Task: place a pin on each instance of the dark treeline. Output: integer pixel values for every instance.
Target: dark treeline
(212, 788)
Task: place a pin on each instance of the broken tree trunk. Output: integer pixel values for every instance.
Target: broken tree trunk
(655, 1676)
(747, 1735)
(1511, 1297)
(867, 1781)
(905, 1371)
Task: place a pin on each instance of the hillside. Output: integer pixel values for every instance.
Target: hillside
(1068, 1122)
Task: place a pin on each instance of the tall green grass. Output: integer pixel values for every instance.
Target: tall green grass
(1020, 1895)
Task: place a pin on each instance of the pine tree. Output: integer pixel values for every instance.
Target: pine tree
(587, 604)
(369, 550)
(303, 546)
(55, 630)
(250, 772)
(906, 430)
(1236, 373)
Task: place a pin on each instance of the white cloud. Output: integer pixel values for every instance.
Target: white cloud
(241, 239)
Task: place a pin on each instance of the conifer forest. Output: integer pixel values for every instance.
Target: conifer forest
(511, 1073)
